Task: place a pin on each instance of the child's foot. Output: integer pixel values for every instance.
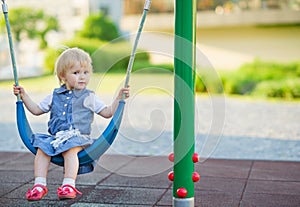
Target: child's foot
(67, 191)
(36, 193)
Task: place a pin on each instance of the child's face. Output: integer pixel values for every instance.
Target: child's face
(76, 77)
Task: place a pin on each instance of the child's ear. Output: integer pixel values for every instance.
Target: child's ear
(62, 77)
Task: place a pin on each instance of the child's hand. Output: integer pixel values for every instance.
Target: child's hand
(124, 93)
(18, 90)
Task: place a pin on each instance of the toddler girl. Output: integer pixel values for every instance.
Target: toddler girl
(72, 109)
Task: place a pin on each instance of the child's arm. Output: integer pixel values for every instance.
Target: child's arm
(29, 103)
(109, 111)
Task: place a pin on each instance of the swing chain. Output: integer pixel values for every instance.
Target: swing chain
(4, 6)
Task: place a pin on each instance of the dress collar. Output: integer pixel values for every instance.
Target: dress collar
(63, 89)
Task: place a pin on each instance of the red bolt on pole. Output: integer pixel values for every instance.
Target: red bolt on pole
(195, 157)
(195, 177)
(171, 176)
(171, 157)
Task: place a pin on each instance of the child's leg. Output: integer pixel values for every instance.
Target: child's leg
(68, 190)
(41, 164)
(71, 162)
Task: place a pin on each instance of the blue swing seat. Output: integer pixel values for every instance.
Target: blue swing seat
(89, 155)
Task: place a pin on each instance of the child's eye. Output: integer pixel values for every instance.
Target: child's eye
(86, 72)
(76, 72)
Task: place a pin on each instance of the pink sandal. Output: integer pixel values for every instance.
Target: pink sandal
(35, 195)
(64, 192)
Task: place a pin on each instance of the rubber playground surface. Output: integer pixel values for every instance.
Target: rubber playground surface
(142, 181)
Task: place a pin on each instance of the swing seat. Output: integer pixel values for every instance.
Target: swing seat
(89, 155)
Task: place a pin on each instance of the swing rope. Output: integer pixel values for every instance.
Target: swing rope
(11, 47)
(89, 155)
(137, 38)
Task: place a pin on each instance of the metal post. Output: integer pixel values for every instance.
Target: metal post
(184, 139)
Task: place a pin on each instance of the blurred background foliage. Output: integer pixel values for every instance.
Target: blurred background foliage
(99, 26)
(31, 23)
(111, 54)
(259, 78)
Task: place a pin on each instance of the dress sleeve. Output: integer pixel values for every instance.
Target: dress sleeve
(94, 103)
(45, 104)
(99, 105)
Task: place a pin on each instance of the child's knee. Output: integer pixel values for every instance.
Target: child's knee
(72, 151)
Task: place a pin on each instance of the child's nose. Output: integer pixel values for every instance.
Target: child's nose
(81, 75)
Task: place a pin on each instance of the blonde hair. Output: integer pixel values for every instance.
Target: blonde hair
(68, 58)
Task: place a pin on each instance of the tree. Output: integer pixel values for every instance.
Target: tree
(50, 24)
(100, 27)
(32, 23)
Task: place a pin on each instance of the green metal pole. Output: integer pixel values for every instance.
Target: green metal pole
(184, 102)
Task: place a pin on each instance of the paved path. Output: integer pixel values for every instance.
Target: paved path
(225, 127)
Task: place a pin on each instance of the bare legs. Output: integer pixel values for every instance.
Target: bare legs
(68, 190)
(41, 164)
(42, 161)
(71, 162)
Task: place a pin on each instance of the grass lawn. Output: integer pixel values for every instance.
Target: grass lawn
(107, 83)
